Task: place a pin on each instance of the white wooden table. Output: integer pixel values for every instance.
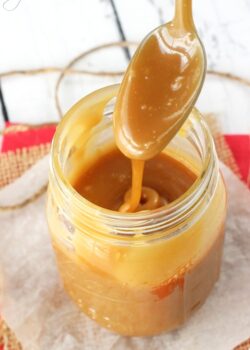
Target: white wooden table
(49, 33)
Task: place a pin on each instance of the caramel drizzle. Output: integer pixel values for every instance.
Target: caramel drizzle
(139, 197)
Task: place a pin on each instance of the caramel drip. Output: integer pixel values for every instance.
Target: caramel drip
(133, 196)
(140, 198)
(149, 200)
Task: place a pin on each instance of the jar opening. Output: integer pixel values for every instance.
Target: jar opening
(194, 137)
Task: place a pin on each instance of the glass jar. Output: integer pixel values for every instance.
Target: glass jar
(143, 273)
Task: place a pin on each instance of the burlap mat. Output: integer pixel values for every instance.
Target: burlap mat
(14, 164)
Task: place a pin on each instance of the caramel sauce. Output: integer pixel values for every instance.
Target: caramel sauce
(107, 180)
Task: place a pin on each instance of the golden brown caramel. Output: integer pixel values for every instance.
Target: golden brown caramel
(131, 273)
(157, 93)
(108, 179)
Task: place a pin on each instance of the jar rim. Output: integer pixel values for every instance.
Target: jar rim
(172, 213)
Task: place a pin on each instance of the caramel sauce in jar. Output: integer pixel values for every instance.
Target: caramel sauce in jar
(145, 272)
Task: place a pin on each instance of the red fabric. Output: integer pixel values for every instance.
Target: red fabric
(28, 138)
(240, 146)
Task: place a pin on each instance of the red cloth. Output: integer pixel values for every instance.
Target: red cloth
(27, 138)
(240, 147)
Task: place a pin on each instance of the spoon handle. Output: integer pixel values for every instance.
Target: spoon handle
(183, 17)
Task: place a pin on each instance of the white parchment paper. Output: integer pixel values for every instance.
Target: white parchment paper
(37, 309)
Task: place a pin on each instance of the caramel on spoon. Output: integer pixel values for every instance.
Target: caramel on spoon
(160, 86)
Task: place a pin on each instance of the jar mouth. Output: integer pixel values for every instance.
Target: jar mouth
(165, 217)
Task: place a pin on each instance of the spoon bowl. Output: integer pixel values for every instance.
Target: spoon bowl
(160, 86)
